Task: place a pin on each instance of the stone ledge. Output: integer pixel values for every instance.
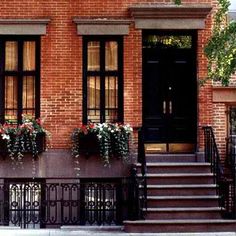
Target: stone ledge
(23, 26)
(224, 94)
(158, 11)
(102, 26)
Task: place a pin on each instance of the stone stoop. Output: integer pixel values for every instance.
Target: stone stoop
(181, 197)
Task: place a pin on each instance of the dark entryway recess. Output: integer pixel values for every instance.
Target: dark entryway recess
(170, 89)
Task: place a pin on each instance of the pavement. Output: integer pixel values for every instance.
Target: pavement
(78, 231)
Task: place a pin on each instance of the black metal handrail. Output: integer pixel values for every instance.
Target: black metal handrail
(231, 173)
(212, 153)
(222, 178)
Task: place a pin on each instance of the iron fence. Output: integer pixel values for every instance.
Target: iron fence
(42, 203)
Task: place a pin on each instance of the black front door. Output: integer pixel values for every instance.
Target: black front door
(169, 88)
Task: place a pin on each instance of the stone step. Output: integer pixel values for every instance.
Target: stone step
(179, 178)
(181, 189)
(186, 225)
(169, 167)
(172, 158)
(182, 213)
(183, 201)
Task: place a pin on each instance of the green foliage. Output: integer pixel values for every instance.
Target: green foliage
(113, 140)
(221, 48)
(22, 138)
(177, 2)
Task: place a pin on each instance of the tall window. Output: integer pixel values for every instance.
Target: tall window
(232, 121)
(103, 71)
(19, 77)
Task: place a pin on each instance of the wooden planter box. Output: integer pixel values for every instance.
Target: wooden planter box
(89, 145)
(40, 141)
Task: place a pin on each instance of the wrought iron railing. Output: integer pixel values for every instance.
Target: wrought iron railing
(224, 179)
(41, 203)
(231, 174)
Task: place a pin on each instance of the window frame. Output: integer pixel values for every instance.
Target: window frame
(229, 108)
(20, 73)
(103, 73)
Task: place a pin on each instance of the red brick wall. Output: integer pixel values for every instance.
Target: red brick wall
(61, 61)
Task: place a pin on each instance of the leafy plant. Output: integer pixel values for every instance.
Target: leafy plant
(221, 47)
(22, 138)
(113, 139)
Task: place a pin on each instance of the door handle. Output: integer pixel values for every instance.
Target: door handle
(164, 107)
(170, 107)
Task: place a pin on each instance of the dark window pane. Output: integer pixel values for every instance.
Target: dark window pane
(111, 98)
(29, 51)
(11, 93)
(93, 98)
(93, 56)
(111, 56)
(11, 56)
(29, 95)
(168, 41)
(232, 120)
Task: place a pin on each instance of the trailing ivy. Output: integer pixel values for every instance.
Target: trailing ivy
(221, 47)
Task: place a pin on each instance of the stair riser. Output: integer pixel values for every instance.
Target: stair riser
(160, 228)
(170, 158)
(176, 169)
(181, 191)
(182, 215)
(183, 203)
(180, 180)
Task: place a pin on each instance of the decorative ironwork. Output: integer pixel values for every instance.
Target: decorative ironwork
(224, 177)
(40, 203)
(231, 175)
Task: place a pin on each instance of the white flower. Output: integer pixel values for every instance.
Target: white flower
(99, 136)
(5, 136)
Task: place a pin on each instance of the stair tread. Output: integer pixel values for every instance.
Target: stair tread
(178, 175)
(171, 154)
(194, 197)
(182, 186)
(182, 221)
(174, 209)
(175, 164)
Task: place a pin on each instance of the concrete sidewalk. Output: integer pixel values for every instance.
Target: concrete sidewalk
(79, 232)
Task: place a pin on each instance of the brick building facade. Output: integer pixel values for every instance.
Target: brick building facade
(64, 32)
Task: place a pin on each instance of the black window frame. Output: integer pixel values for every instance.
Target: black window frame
(20, 74)
(103, 73)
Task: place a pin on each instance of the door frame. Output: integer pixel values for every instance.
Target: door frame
(194, 34)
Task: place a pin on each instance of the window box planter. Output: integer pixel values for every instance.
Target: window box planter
(40, 144)
(106, 139)
(17, 140)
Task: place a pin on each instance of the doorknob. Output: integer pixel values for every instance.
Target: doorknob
(164, 107)
(170, 107)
